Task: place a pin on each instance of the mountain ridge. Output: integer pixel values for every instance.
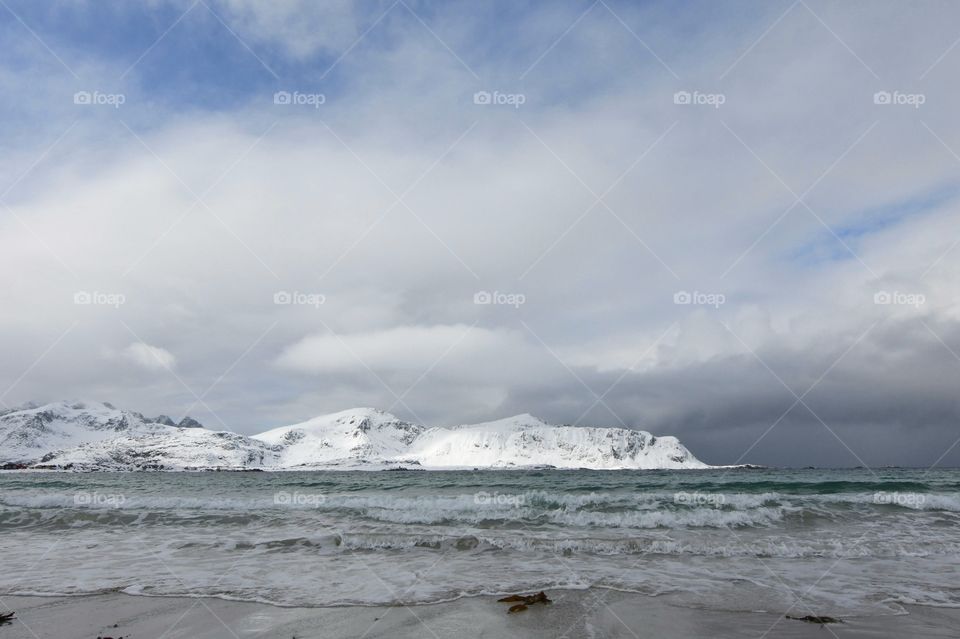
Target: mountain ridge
(98, 436)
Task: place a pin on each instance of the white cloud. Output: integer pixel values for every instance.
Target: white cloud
(460, 351)
(301, 27)
(152, 358)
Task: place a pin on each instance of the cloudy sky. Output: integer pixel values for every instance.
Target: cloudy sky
(735, 222)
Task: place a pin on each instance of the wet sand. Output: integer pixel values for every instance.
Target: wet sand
(575, 614)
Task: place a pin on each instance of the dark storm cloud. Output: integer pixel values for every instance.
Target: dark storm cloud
(887, 397)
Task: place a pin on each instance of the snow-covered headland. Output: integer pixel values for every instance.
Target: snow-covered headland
(98, 436)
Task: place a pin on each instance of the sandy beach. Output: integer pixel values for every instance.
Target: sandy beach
(593, 613)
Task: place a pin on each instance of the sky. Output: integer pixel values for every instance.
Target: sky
(733, 222)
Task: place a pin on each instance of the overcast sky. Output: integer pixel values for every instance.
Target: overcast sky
(734, 222)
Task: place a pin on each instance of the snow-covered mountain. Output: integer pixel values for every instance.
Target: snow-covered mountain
(525, 440)
(348, 438)
(173, 448)
(90, 436)
(99, 435)
(29, 433)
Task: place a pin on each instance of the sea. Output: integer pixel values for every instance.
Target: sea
(840, 542)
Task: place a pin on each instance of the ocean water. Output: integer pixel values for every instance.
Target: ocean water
(846, 542)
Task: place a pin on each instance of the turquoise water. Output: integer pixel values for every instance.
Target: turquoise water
(846, 541)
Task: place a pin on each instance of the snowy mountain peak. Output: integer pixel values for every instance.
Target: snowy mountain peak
(361, 418)
(30, 433)
(359, 435)
(189, 422)
(92, 414)
(516, 421)
(65, 406)
(524, 440)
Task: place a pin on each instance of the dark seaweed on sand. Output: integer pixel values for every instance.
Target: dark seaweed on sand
(523, 601)
(815, 619)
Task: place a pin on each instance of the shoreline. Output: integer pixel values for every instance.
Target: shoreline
(596, 613)
(350, 469)
(605, 592)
